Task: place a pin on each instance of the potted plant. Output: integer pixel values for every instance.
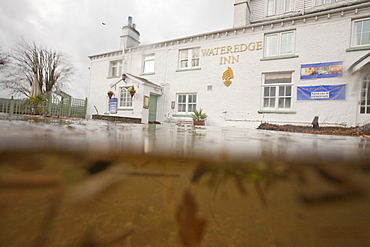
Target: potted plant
(110, 94)
(132, 91)
(199, 117)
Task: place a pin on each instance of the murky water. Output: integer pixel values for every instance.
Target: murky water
(90, 183)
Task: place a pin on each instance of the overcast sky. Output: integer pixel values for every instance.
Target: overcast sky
(74, 27)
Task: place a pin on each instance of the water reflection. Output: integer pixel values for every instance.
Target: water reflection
(182, 140)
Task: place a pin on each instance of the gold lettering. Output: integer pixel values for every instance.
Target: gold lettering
(229, 48)
(223, 50)
(235, 59)
(243, 47)
(236, 48)
(229, 59)
(217, 49)
(259, 45)
(205, 52)
(251, 46)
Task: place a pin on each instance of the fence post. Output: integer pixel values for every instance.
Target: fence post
(69, 106)
(85, 108)
(11, 107)
(50, 102)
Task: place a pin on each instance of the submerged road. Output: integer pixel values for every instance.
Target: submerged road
(182, 140)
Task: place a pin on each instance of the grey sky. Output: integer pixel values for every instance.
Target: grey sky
(74, 26)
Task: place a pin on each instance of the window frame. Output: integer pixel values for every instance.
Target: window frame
(112, 66)
(148, 58)
(353, 35)
(189, 58)
(319, 4)
(365, 95)
(279, 44)
(125, 100)
(277, 97)
(275, 4)
(186, 103)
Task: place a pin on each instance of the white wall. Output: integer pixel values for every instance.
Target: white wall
(324, 39)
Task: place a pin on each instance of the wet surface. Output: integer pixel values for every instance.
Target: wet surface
(70, 182)
(179, 140)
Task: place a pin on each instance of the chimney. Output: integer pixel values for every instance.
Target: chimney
(242, 13)
(130, 36)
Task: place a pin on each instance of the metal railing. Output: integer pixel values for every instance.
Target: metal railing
(52, 105)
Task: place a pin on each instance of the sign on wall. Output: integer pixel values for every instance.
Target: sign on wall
(113, 105)
(227, 76)
(325, 92)
(321, 70)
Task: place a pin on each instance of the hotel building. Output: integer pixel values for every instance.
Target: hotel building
(283, 61)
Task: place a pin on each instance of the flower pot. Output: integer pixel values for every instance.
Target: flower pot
(110, 95)
(132, 93)
(199, 122)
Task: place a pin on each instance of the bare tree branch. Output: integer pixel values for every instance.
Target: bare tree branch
(53, 69)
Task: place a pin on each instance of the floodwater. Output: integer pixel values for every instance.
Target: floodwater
(71, 182)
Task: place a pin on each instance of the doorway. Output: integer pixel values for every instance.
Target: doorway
(153, 108)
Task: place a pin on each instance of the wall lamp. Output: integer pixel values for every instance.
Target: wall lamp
(124, 76)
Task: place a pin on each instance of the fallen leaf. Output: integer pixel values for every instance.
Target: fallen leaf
(191, 227)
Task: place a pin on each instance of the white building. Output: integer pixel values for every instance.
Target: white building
(283, 61)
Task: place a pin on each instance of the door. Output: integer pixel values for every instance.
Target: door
(153, 108)
(363, 114)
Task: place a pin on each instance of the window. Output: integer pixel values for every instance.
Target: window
(189, 58)
(361, 33)
(365, 95)
(115, 68)
(321, 2)
(279, 44)
(148, 64)
(125, 99)
(277, 91)
(276, 7)
(186, 103)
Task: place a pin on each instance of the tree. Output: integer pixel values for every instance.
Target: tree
(53, 70)
(3, 59)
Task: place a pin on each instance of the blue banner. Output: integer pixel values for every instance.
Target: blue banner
(113, 105)
(321, 70)
(325, 92)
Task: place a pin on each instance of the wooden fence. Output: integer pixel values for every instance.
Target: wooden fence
(53, 104)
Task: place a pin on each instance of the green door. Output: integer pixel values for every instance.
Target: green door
(152, 108)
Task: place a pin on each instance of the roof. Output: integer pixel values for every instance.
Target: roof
(143, 80)
(361, 62)
(138, 78)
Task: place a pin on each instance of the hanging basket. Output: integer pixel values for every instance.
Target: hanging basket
(110, 94)
(132, 93)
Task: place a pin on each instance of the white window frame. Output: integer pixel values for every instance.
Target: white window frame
(186, 59)
(277, 96)
(125, 99)
(322, 2)
(278, 7)
(148, 64)
(186, 103)
(365, 95)
(279, 44)
(367, 33)
(115, 68)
